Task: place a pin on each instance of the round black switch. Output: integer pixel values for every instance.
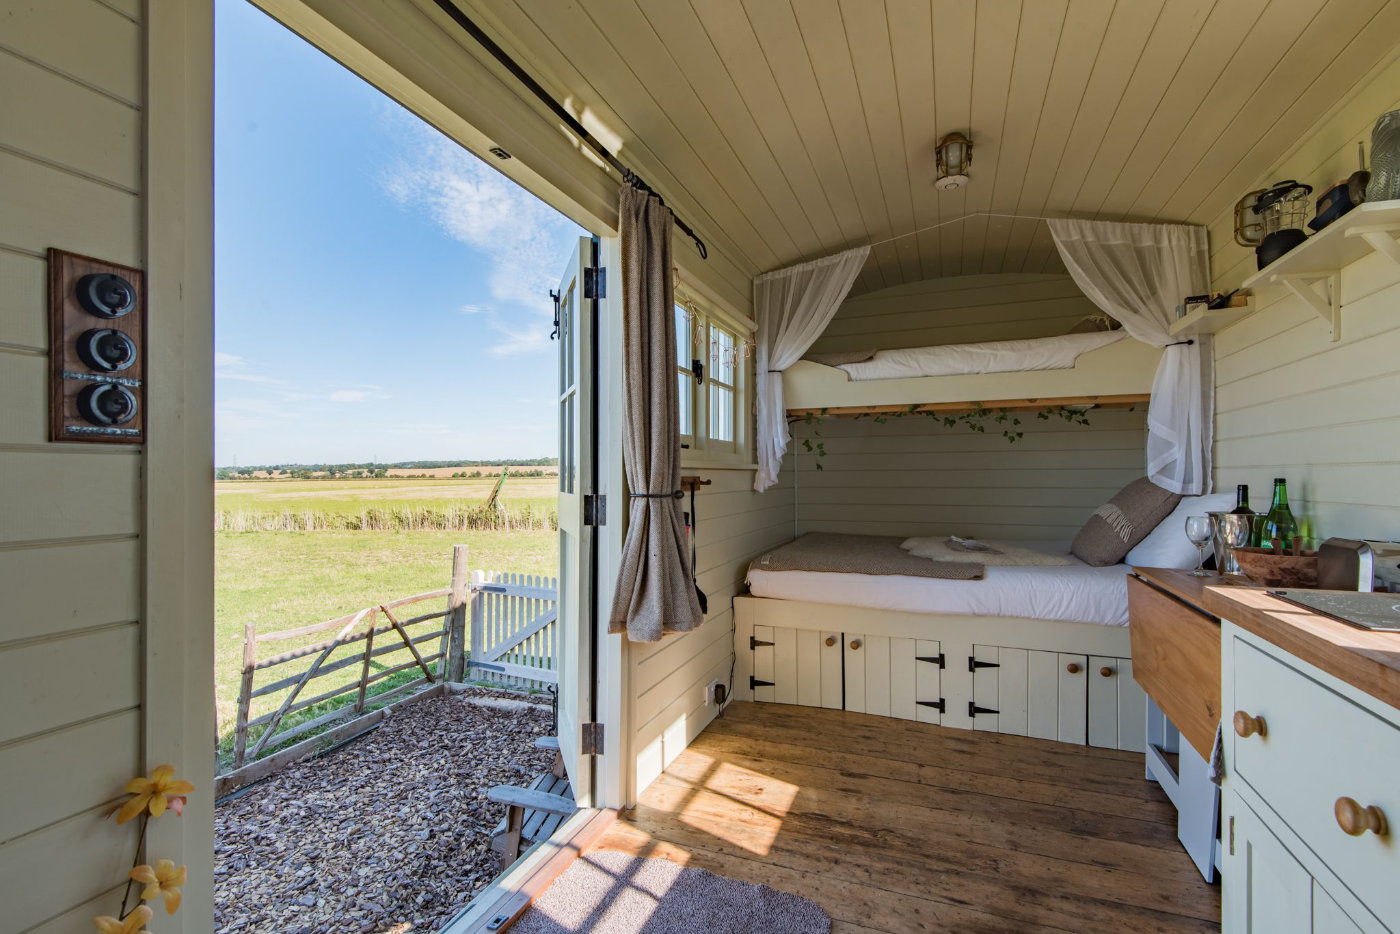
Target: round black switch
(106, 404)
(106, 295)
(106, 349)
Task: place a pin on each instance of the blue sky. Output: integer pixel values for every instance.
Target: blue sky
(380, 292)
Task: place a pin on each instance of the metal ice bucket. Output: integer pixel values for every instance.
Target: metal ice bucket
(1227, 527)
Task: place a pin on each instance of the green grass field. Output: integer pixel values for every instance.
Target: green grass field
(282, 580)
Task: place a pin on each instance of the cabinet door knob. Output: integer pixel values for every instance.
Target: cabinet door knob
(1106, 671)
(830, 641)
(1247, 726)
(1072, 668)
(1356, 820)
(855, 644)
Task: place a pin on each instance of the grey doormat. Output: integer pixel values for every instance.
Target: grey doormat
(612, 893)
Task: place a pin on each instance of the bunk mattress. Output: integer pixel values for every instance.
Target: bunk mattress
(1075, 593)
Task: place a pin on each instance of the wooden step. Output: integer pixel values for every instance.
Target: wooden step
(545, 803)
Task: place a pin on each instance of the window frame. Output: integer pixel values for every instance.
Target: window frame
(698, 448)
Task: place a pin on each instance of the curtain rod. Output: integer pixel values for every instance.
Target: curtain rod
(534, 87)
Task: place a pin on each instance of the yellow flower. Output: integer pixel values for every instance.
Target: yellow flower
(134, 923)
(164, 880)
(153, 794)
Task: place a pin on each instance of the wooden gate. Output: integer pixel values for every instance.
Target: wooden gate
(513, 628)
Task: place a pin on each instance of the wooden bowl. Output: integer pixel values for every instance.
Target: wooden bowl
(1273, 569)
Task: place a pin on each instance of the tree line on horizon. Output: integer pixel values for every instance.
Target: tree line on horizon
(372, 470)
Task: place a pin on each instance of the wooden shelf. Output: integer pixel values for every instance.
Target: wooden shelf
(1121, 401)
(1211, 320)
(1365, 229)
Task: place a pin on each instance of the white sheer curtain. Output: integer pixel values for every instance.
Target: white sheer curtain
(793, 306)
(1139, 273)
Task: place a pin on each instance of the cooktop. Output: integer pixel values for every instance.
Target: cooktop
(1379, 612)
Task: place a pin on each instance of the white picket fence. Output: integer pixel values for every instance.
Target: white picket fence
(514, 629)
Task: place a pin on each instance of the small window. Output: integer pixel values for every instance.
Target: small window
(714, 409)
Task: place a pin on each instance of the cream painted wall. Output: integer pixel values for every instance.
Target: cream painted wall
(105, 650)
(956, 310)
(915, 475)
(669, 677)
(1291, 403)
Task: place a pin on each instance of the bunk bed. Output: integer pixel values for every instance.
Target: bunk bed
(1036, 651)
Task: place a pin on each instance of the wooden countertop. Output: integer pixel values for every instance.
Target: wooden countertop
(1368, 661)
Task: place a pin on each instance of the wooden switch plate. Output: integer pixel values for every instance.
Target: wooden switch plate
(68, 374)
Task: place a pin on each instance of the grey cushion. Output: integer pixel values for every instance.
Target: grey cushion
(1122, 522)
(839, 357)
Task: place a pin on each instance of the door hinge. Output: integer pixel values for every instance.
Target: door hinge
(592, 739)
(938, 705)
(973, 710)
(595, 509)
(1232, 835)
(938, 659)
(595, 282)
(755, 643)
(755, 683)
(973, 664)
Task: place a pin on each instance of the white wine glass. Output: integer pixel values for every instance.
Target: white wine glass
(1198, 530)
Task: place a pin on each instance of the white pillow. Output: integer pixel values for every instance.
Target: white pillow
(1167, 546)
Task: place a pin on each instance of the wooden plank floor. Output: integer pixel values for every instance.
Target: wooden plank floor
(898, 826)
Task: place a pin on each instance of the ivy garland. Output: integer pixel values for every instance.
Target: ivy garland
(976, 419)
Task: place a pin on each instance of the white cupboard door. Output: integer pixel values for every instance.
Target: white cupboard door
(577, 629)
(876, 653)
(809, 668)
(1043, 695)
(1103, 677)
(1074, 699)
(1012, 684)
(903, 674)
(785, 666)
(928, 681)
(1270, 892)
(854, 650)
(1132, 709)
(986, 687)
(833, 696)
(763, 664)
(1327, 915)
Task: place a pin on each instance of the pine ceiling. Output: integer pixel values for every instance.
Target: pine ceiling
(788, 129)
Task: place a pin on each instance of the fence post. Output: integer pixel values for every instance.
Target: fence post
(457, 615)
(245, 695)
(364, 668)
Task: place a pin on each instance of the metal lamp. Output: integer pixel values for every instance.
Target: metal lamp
(954, 153)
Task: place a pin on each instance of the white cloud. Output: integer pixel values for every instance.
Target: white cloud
(232, 366)
(524, 239)
(357, 395)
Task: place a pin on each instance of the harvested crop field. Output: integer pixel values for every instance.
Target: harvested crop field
(389, 834)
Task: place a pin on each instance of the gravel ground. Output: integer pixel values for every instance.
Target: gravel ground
(389, 834)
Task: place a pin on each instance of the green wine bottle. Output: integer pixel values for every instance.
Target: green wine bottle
(1279, 523)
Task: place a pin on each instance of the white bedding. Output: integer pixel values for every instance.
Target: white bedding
(1076, 593)
(1039, 353)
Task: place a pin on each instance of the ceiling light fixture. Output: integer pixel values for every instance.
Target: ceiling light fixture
(954, 154)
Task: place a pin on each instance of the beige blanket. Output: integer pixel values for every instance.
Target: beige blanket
(860, 554)
(997, 554)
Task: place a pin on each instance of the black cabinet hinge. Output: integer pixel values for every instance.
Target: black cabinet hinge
(595, 509)
(755, 683)
(973, 664)
(938, 660)
(595, 282)
(973, 710)
(592, 739)
(755, 643)
(938, 705)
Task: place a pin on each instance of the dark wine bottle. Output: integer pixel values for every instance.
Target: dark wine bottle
(1279, 523)
(1242, 501)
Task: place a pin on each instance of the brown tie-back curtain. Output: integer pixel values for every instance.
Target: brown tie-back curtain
(655, 594)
